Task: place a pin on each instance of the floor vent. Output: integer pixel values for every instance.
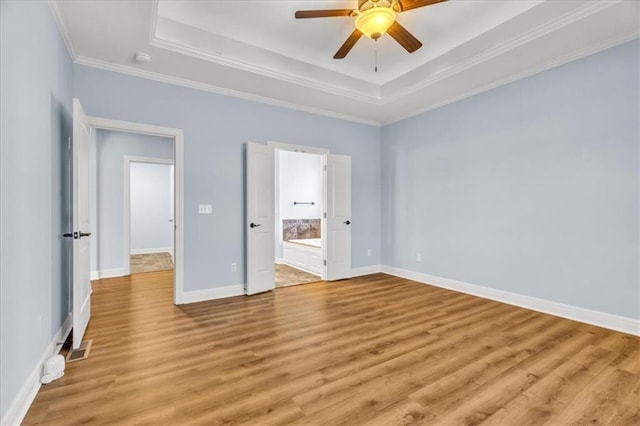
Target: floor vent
(81, 353)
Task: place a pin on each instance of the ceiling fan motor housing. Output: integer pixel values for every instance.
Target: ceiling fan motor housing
(368, 4)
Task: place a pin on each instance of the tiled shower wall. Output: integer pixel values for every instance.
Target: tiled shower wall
(295, 229)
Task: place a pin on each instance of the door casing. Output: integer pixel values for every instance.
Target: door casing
(178, 137)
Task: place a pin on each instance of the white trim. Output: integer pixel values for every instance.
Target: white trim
(108, 273)
(62, 27)
(266, 72)
(280, 261)
(213, 293)
(576, 313)
(573, 56)
(123, 69)
(152, 250)
(24, 398)
(132, 127)
(154, 19)
(282, 146)
(587, 9)
(365, 270)
(178, 137)
(126, 210)
(581, 12)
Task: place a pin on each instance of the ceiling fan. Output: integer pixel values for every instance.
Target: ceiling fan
(373, 19)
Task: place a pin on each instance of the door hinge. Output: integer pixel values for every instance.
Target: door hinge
(324, 167)
(325, 262)
(324, 215)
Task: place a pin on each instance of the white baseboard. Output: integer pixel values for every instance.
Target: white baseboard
(108, 273)
(366, 270)
(20, 405)
(600, 319)
(279, 260)
(212, 293)
(152, 250)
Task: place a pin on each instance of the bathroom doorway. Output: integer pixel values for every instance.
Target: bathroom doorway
(298, 217)
(265, 225)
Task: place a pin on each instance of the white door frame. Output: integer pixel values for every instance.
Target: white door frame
(128, 159)
(178, 137)
(281, 146)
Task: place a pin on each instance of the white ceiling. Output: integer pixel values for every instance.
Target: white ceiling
(257, 50)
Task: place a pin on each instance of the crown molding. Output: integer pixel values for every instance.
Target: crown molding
(542, 30)
(519, 76)
(580, 13)
(122, 69)
(153, 25)
(265, 72)
(62, 27)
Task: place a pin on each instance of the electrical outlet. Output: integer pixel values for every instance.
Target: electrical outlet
(368, 252)
(205, 209)
(234, 267)
(418, 257)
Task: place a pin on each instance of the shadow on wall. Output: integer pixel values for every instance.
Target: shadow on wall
(61, 131)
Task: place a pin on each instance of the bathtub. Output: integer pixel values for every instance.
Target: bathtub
(304, 254)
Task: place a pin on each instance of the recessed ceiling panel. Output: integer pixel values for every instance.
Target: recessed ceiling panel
(257, 50)
(270, 25)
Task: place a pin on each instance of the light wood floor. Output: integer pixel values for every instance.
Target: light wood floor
(374, 350)
(287, 276)
(150, 262)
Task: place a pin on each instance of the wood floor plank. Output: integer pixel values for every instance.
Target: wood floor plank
(375, 350)
(599, 401)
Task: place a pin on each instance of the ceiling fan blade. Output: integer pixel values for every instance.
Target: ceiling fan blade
(331, 13)
(348, 44)
(414, 4)
(404, 37)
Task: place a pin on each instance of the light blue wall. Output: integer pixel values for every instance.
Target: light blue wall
(530, 188)
(35, 100)
(216, 129)
(111, 148)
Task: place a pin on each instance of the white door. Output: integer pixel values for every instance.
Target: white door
(260, 219)
(81, 230)
(172, 225)
(337, 244)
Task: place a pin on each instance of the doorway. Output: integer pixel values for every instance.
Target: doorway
(335, 228)
(175, 162)
(298, 217)
(151, 214)
(84, 177)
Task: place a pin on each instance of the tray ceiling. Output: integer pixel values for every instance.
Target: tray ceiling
(257, 50)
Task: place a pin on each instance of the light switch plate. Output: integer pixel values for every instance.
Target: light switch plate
(205, 209)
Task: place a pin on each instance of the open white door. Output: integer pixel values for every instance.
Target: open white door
(260, 219)
(337, 244)
(81, 232)
(172, 208)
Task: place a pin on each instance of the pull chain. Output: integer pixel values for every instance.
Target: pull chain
(376, 57)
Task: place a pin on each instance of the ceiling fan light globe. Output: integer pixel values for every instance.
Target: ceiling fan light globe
(375, 21)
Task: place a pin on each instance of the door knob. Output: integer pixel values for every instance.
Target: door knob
(76, 235)
(254, 225)
(348, 222)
